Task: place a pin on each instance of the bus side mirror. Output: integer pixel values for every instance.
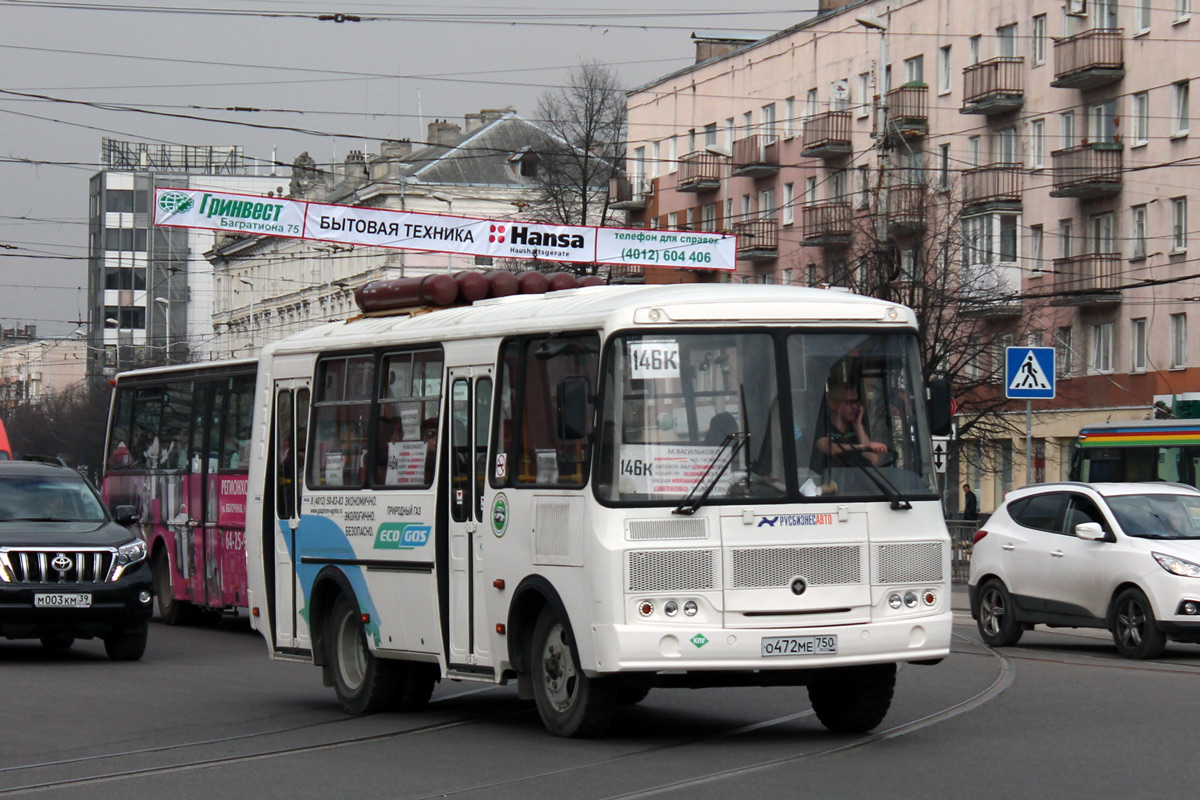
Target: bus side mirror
(941, 407)
(572, 408)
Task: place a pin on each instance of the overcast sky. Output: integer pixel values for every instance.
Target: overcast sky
(349, 84)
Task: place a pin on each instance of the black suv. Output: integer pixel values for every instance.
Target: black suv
(68, 569)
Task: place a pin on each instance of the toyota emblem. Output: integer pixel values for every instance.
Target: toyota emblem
(799, 585)
(61, 562)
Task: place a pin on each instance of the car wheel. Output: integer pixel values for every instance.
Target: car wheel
(363, 682)
(170, 610)
(997, 621)
(853, 699)
(57, 642)
(1134, 629)
(127, 644)
(568, 701)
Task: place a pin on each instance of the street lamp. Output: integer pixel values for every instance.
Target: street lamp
(166, 304)
(251, 329)
(109, 321)
(449, 201)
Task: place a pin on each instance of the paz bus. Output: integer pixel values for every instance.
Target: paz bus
(601, 491)
(177, 450)
(1139, 450)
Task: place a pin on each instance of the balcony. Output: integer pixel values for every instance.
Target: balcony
(827, 135)
(908, 111)
(1087, 279)
(700, 172)
(827, 224)
(629, 194)
(905, 209)
(1087, 171)
(758, 239)
(996, 187)
(756, 156)
(1089, 59)
(994, 86)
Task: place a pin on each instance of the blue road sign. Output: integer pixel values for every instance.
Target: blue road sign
(1029, 373)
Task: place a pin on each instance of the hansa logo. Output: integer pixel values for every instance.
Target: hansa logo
(175, 202)
(401, 536)
(795, 520)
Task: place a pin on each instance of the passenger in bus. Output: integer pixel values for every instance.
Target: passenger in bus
(722, 426)
(845, 441)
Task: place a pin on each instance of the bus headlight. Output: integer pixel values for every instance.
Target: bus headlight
(894, 600)
(690, 608)
(910, 599)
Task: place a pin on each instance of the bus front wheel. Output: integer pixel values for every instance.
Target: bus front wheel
(568, 701)
(853, 699)
(363, 682)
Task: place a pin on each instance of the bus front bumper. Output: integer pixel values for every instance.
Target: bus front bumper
(652, 648)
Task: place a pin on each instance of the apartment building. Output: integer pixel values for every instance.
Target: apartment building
(150, 289)
(1056, 139)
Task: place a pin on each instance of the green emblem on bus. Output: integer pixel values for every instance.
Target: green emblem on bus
(500, 515)
(699, 640)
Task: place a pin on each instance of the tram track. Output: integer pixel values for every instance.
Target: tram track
(1003, 681)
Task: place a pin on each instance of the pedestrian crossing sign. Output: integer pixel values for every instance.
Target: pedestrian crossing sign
(1029, 373)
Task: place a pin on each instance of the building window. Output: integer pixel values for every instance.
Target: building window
(673, 221)
(672, 155)
(1137, 344)
(1037, 135)
(767, 117)
(1141, 118)
(1008, 238)
(1039, 39)
(1178, 224)
(973, 50)
(1005, 145)
(1142, 12)
(730, 132)
(710, 134)
(789, 203)
(708, 217)
(1063, 352)
(945, 70)
(837, 185)
(786, 277)
(810, 191)
(1102, 347)
(1178, 341)
(1067, 128)
(655, 159)
(1179, 121)
(1103, 121)
(1137, 218)
(864, 94)
(914, 69)
(812, 104)
(789, 117)
(1006, 41)
(745, 206)
(766, 204)
(943, 167)
(972, 151)
(1036, 243)
(1183, 10)
(1065, 233)
(1104, 232)
(810, 275)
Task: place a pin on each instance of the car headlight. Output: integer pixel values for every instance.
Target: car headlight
(131, 553)
(1177, 566)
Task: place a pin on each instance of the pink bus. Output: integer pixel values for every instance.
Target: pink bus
(178, 449)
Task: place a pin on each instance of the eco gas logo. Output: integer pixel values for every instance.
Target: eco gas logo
(401, 536)
(175, 202)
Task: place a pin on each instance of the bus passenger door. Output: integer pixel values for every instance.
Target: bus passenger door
(467, 429)
(289, 428)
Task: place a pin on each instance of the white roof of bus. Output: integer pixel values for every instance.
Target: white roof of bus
(214, 366)
(609, 306)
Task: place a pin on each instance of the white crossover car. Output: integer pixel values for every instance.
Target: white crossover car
(1120, 556)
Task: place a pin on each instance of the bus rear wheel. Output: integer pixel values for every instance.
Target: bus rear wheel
(568, 701)
(363, 683)
(853, 699)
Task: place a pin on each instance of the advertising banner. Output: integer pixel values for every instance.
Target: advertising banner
(442, 233)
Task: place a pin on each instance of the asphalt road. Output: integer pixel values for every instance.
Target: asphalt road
(206, 715)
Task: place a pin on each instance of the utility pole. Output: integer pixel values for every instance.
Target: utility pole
(883, 145)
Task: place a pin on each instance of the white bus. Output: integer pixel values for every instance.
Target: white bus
(600, 491)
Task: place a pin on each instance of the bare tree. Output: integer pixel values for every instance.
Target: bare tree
(586, 123)
(69, 424)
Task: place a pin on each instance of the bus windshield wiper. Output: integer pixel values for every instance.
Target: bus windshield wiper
(898, 500)
(733, 443)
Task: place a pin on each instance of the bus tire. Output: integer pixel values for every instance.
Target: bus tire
(364, 683)
(417, 686)
(170, 610)
(853, 699)
(127, 644)
(569, 702)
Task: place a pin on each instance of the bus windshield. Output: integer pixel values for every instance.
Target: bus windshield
(847, 404)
